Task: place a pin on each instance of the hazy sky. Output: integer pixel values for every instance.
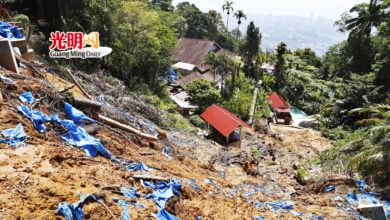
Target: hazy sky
(325, 8)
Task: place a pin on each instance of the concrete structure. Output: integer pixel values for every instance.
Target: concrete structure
(7, 58)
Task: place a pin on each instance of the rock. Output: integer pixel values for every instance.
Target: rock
(307, 124)
(295, 166)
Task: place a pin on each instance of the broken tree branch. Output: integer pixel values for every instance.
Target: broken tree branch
(66, 89)
(148, 177)
(70, 75)
(108, 209)
(124, 127)
(87, 103)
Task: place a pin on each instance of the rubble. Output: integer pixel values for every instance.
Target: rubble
(216, 182)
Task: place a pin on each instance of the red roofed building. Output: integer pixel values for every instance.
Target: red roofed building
(224, 122)
(280, 107)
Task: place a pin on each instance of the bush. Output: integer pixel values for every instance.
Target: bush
(25, 22)
(203, 93)
(198, 122)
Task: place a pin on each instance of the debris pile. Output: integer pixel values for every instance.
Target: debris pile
(58, 143)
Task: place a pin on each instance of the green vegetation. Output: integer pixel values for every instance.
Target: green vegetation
(203, 93)
(349, 87)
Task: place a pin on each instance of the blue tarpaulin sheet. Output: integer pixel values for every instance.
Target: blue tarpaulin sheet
(10, 32)
(27, 97)
(138, 166)
(125, 208)
(259, 218)
(162, 214)
(78, 136)
(130, 192)
(37, 117)
(276, 206)
(76, 115)
(367, 197)
(330, 188)
(165, 151)
(14, 136)
(75, 211)
(6, 80)
(163, 191)
(171, 75)
(192, 183)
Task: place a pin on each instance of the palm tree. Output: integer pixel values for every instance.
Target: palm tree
(239, 15)
(374, 157)
(369, 15)
(228, 7)
(213, 17)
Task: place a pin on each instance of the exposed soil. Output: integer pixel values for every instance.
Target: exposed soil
(36, 177)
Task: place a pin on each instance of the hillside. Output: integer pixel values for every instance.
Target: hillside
(45, 171)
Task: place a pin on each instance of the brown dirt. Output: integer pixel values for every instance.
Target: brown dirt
(34, 178)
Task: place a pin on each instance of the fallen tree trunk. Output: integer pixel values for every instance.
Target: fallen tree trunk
(127, 128)
(88, 104)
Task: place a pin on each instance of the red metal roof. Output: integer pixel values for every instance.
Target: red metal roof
(278, 103)
(222, 120)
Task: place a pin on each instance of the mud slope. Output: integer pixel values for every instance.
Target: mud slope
(37, 176)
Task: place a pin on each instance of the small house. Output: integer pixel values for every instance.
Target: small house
(280, 108)
(225, 126)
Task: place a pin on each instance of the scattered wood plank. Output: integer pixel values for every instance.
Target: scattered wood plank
(7, 58)
(148, 177)
(146, 153)
(124, 127)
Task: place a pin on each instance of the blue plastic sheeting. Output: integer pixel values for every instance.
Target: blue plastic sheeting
(386, 205)
(10, 32)
(312, 216)
(171, 75)
(330, 188)
(367, 197)
(138, 166)
(163, 191)
(130, 192)
(76, 115)
(296, 213)
(75, 211)
(6, 80)
(165, 151)
(198, 218)
(222, 174)
(361, 184)
(192, 183)
(37, 117)
(27, 97)
(150, 126)
(77, 136)
(14, 136)
(259, 218)
(162, 214)
(101, 99)
(125, 208)
(276, 206)
(209, 181)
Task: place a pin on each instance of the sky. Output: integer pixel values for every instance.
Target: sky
(305, 8)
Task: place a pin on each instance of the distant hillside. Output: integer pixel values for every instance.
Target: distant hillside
(296, 32)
